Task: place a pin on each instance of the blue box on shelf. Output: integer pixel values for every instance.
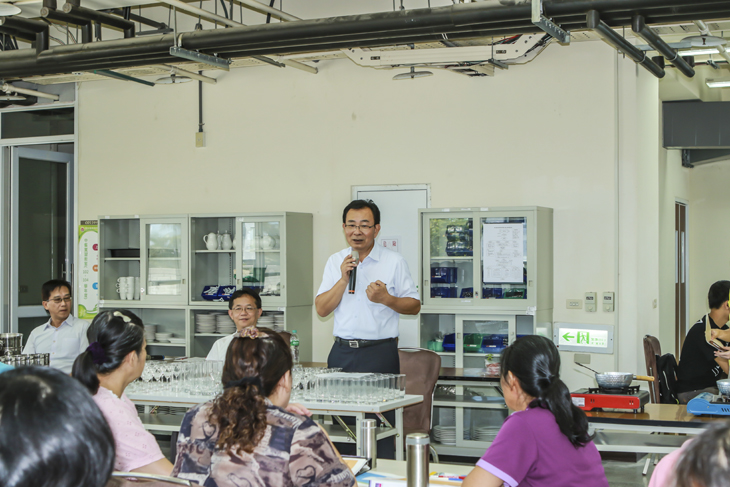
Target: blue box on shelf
(443, 292)
(443, 275)
(225, 292)
(210, 293)
(450, 342)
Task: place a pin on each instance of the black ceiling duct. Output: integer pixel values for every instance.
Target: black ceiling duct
(475, 19)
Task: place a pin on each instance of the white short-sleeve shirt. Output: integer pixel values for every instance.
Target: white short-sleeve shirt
(358, 317)
(64, 343)
(220, 347)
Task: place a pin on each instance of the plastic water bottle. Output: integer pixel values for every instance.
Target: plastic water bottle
(294, 345)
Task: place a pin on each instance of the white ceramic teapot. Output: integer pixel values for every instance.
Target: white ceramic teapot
(226, 241)
(211, 241)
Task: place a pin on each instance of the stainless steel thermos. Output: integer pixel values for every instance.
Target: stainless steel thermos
(417, 459)
(368, 444)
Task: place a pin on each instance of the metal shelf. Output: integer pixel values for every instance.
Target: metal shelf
(122, 258)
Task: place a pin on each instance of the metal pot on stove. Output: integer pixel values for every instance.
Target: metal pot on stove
(616, 380)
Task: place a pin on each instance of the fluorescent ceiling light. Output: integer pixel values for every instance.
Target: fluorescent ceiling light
(700, 52)
(718, 83)
(7, 9)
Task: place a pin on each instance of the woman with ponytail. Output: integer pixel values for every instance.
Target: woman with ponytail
(545, 442)
(116, 357)
(245, 436)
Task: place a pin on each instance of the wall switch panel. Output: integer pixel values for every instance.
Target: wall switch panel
(591, 302)
(609, 300)
(574, 304)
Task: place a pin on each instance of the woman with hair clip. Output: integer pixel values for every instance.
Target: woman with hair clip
(545, 442)
(245, 437)
(116, 357)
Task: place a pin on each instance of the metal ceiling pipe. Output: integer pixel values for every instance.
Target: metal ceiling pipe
(26, 36)
(354, 31)
(702, 27)
(7, 88)
(21, 24)
(84, 24)
(642, 30)
(593, 21)
(202, 13)
(101, 17)
(138, 18)
(260, 7)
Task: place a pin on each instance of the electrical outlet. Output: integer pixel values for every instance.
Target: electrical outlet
(574, 304)
(199, 139)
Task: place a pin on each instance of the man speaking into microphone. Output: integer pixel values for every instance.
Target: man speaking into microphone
(367, 290)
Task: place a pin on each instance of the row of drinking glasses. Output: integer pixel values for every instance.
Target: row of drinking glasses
(315, 386)
(193, 378)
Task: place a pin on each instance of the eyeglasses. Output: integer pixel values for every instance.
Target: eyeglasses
(247, 309)
(59, 300)
(362, 228)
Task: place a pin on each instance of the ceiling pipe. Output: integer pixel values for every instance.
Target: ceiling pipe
(101, 17)
(8, 88)
(262, 8)
(702, 27)
(189, 74)
(84, 25)
(202, 13)
(642, 30)
(593, 21)
(372, 30)
(28, 26)
(138, 18)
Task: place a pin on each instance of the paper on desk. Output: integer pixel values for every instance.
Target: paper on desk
(401, 482)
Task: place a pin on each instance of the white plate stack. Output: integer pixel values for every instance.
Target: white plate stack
(224, 324)
(163, 337)
(205, 322)
(444, 434)
(266, 321)
(177, 340)
(484, 433)
(149, 331)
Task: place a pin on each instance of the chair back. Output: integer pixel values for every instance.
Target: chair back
(652, 350)
(421, 368)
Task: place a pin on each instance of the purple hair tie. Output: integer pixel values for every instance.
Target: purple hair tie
(98, 355)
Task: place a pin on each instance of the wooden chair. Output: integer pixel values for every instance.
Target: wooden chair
(421, 368)
(652, 350)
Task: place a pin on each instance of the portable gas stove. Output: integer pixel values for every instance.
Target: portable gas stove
(707, 403)
(597, 398)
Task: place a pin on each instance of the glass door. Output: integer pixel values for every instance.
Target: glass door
(42, 231)
(261, 258)
(165, 257)
(449, 255)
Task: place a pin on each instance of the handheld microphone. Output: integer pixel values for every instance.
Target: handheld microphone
(353, 273)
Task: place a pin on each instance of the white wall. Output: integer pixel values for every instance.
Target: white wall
(280, 139)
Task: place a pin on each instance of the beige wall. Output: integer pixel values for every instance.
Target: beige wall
(708, 233)
(280, 139)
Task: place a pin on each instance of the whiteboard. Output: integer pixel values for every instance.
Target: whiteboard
(399, 205)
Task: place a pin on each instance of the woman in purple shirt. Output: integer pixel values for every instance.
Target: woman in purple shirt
(545, 442)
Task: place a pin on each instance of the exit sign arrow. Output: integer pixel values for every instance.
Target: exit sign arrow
(568, 337)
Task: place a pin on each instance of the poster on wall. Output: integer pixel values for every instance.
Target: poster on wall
(87, 297)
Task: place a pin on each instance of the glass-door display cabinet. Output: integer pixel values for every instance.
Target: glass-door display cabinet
(497, 259)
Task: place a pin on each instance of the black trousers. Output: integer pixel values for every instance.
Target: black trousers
(381, 358)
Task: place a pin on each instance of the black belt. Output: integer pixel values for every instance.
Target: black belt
(356, 343)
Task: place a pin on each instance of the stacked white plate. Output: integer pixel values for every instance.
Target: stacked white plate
(163, 337)
(267, 321)
(177, 340)
(205, 322)
(149, 331)
(224, 324)
(484, 433)
(444, 434)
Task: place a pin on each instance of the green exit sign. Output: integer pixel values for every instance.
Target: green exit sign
(584, 338)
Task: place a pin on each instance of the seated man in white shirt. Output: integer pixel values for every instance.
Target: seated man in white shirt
(63, 336)
(244, 308)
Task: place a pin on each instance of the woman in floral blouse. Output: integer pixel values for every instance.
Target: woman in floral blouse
(245, 437)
